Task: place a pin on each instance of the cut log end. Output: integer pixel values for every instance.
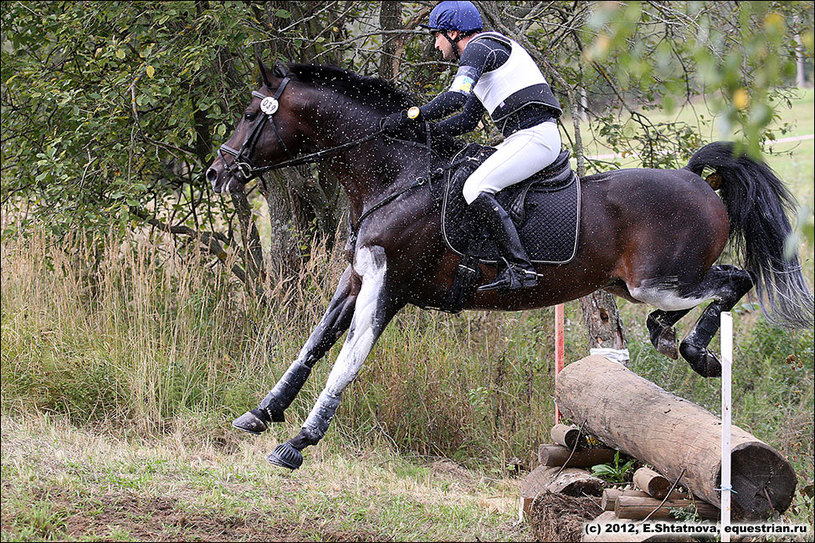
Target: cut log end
(652, 482)
(759, 472)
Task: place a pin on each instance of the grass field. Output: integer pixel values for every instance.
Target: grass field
(123, 366)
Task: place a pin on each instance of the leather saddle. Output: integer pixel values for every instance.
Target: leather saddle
(545, 208)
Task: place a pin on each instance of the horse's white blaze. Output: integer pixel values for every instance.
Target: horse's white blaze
(369, 262)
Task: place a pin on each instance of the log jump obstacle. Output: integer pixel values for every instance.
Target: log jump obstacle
(675, 436)
(666, 431)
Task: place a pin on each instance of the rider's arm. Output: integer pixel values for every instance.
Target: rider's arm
(466, 121)
(477, 58)
(443, 105)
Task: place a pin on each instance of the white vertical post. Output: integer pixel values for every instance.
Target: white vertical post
(727, 365)
(560, 312)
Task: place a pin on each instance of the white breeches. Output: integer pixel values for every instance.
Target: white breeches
(519, 156)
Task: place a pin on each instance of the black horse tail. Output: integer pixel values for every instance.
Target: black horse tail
(758, 202)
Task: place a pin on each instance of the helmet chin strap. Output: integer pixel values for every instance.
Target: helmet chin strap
(453, 42)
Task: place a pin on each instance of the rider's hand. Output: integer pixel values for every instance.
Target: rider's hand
(394, 123)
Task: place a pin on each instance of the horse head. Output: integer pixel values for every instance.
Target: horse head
(270, 131)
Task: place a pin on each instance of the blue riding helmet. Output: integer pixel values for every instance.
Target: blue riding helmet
(454, 15)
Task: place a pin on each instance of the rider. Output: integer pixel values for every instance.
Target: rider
(496, 74)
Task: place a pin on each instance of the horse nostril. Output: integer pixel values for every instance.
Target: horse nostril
(212, 175)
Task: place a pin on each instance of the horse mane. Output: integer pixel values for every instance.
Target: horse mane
(371, 91)
(374, 92)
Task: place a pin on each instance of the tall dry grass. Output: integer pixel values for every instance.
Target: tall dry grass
(133, 335)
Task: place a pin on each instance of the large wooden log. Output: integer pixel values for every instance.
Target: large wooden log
(672, 434)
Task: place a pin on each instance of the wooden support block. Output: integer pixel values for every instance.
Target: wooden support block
(652, 483)
(637, 508)
(610, 496)
(557, 455)
(568, 481)
(605, 518)
(568, 436)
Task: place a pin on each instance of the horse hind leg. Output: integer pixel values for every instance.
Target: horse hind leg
(728, 284)
(663, 334)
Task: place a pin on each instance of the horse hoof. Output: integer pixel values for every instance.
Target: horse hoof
(286, 456)
(250, 422)
(663, 338)
(666, 344)
(701, 360)
(713, 368)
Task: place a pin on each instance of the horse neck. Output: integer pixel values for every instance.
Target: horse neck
(367, 171)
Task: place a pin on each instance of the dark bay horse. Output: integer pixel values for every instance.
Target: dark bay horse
(646, 235)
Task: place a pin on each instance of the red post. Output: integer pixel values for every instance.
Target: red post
(559, 348)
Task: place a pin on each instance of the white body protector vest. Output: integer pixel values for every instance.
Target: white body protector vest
(514, 84)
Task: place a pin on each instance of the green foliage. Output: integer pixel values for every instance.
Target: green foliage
(110, 106)
(738, 56)
(618, 471)
(688, 514)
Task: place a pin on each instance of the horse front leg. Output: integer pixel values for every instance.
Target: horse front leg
(334, 323)
(374, 309)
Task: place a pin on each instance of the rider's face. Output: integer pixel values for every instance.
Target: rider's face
(444, 45)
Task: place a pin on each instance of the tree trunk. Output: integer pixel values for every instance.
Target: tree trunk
(250, 239)
(390, 18)
(603, 322)
(283, 254)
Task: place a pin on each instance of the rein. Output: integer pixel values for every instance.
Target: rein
(420, 182)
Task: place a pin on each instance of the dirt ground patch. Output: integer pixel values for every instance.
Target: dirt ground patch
(147, 518)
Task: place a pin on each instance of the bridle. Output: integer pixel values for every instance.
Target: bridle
(243, 162)
(269, 105)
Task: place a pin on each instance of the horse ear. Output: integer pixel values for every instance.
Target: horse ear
(280, 69)
(265, 74)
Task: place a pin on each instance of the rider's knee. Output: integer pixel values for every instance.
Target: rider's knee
(472, 188)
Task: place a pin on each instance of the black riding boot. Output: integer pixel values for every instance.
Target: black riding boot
(519, 272)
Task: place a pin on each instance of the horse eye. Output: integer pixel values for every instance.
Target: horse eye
(250, 116)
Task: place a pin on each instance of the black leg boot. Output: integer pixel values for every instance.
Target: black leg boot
(519, 272)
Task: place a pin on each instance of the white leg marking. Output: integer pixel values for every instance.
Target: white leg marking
(370, 264)
(665, 298)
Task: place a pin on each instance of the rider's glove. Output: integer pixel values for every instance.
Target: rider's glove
(394, 123)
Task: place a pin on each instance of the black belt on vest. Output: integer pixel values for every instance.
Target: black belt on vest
(526, 117)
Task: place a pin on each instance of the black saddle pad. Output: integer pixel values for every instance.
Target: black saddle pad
(546, 214)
